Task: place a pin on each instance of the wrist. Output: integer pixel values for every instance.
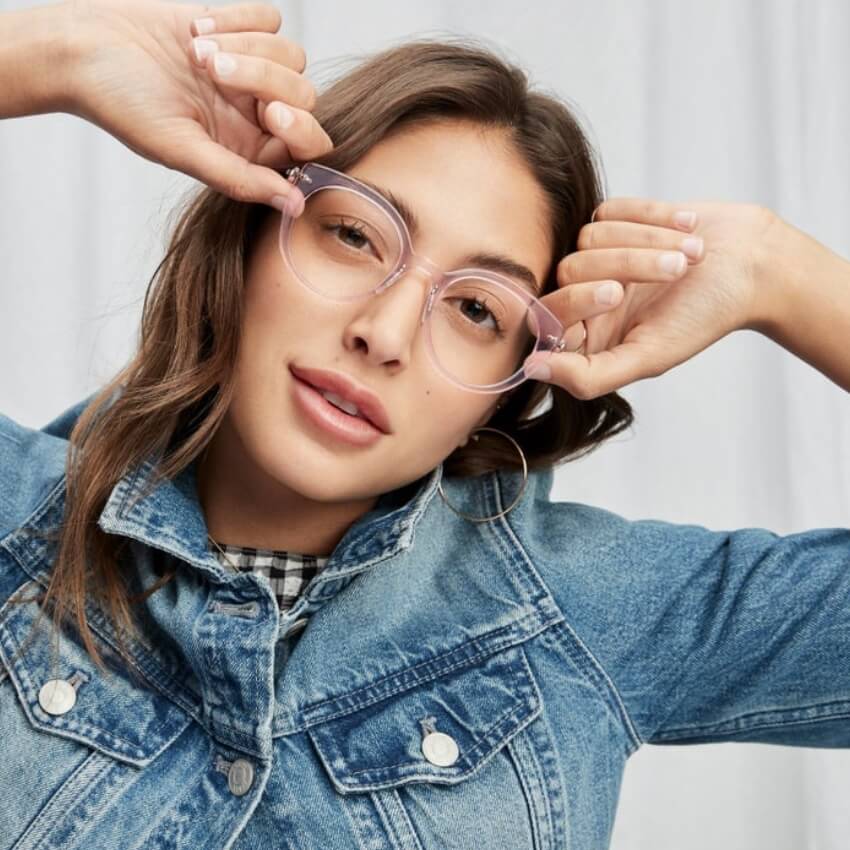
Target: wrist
(787, 266)
(37, 53)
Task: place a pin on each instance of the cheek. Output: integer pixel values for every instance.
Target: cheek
(451, 414)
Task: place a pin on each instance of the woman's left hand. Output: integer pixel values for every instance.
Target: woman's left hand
(663, 318)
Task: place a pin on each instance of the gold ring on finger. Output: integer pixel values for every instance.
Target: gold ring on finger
(580, 346)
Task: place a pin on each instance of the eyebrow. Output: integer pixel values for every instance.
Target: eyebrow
(484, 260)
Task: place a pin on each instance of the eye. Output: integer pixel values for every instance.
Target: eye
(351, 236)
(479, 309)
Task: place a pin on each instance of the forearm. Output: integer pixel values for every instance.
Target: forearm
(806, 303)
(35, 52)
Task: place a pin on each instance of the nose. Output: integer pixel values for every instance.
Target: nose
(387, 326)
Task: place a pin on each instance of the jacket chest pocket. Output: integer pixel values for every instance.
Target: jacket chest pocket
(462, 760)
(71, 736)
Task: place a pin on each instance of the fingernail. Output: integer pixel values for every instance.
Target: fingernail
(295, 202)
(282, 115)
(204, 26)
(225, 64)
(672, 263)
(692, 246)
(203, 48)
(686, 219)
(608, 293)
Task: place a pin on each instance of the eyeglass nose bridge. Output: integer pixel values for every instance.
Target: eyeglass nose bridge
(418, 264)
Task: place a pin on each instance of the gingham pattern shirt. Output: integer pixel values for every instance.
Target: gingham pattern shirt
(288, 572)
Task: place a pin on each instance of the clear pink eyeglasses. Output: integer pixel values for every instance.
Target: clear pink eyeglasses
(539, 324)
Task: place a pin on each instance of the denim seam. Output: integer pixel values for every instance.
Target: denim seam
(85, 777)
(632, 731)
(10, 438)
(525, 762)
(466, 661)
(36, 514)
(753, 721)
(389, 819)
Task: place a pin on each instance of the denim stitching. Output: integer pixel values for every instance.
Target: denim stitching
(630, 727)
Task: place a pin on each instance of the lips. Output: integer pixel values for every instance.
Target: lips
(368, 404)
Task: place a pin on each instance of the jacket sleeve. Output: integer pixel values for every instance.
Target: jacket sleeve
(705, 636)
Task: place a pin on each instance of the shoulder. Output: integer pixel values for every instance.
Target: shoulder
(574, 534)
(32, 462)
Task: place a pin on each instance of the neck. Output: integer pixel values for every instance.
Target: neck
(244, 506)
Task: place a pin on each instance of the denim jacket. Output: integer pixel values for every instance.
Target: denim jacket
(457, 685)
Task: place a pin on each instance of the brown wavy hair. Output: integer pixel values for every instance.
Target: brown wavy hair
(171, 397)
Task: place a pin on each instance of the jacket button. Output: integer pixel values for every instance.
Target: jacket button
(240, 777)
(440, 749)
(57, 696)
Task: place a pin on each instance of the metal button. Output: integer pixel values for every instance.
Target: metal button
(57, 696)
(440, 749)
(240, 777)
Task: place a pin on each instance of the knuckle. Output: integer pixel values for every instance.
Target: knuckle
(652, 211)
(565, 271)
(583, 388)
(269, 15)
(308, 95)
(299, 57)
(628, 262)
(239, 187)
(763, 215)
(266, 75)
(585, 237)
(660, 239)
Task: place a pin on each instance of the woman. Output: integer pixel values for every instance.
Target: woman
(318, 594)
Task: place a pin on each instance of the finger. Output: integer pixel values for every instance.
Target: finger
(231, 174)
(262, 45)
(583, 300)
(239, 16)
(588, 376)
(299, 137)
(631, 264)
(264, 79)
(610, 234)
(647, 211)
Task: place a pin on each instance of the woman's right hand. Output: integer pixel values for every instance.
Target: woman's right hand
(136, 75)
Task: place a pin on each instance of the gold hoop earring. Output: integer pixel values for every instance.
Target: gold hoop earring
(521, 489)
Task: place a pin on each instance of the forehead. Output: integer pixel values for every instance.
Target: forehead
(467, 190)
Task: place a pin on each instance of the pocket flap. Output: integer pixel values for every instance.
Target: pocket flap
(380, 744)
(113, 713)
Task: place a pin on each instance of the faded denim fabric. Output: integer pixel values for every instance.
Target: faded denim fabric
(533, 655)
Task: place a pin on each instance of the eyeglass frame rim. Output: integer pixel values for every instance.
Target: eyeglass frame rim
(554, 342)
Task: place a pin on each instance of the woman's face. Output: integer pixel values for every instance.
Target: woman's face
(470, 193)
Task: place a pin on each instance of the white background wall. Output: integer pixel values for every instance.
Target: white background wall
(725, 100)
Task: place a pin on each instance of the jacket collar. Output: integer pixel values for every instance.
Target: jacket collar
(170, 518)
